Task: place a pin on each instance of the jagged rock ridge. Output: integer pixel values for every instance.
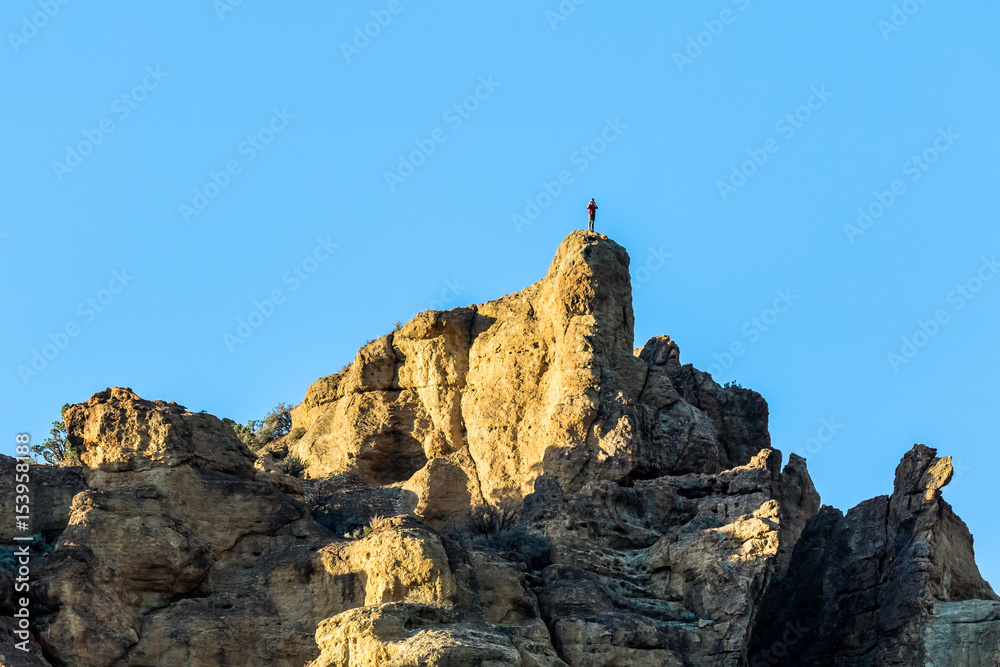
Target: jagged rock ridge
(655, 525)
(544, 381)
(894, 582)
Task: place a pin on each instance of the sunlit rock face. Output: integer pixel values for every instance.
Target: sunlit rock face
(544, 381)
(640, 516)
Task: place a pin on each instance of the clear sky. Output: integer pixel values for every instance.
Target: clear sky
(170, 169)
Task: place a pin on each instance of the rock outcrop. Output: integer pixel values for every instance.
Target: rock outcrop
(666, 571)
(510, 483)
(894, 582)
(544, 381)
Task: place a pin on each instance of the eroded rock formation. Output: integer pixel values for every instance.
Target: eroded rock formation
(894, 582)
(544, 381)
(640, 516)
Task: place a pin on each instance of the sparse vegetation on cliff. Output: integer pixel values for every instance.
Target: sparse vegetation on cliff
(291, 465)
(257, 433)
(56, 447)
(496, 527)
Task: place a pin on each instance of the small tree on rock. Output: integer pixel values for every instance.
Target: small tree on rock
(56, 447)
(257, 433)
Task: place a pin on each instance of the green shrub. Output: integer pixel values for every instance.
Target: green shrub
(291, 465)
(257, 433)
(56, 447)
(490, 519)
(277, 422)
(520, 543)
(244, 432)
(377, 521)
(496, 527)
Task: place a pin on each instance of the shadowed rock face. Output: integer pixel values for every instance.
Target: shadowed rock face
(887, 584)
(656, 524)
(662, 571)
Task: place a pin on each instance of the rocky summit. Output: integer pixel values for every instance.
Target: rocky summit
(506, 484)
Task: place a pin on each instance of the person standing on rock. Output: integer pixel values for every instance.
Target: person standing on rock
(592, 210)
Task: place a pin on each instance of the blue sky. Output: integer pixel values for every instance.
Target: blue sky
(171, 169)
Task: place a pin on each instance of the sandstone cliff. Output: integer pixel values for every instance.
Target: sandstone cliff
(544, 381)
(510, 483)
